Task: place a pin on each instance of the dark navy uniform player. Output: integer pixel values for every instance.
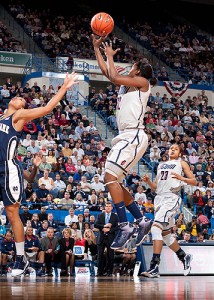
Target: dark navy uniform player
(11, 173)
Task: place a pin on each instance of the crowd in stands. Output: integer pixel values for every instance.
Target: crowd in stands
(178, 45)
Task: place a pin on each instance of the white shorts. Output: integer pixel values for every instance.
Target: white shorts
(127, 149)
(166, 208)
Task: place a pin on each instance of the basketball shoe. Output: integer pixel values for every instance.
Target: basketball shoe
(143, 229)
(153, 272)
(187, 261)
(123, 235)
(20, 266)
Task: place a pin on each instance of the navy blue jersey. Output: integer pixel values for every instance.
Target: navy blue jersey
(8, 139)
(33, 242)
(11, 171)
(7, 246)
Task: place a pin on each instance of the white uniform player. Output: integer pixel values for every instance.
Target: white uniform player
(167, 202)
(130, 145)
(171, 175)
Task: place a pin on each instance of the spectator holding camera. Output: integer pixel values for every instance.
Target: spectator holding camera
(194, 228)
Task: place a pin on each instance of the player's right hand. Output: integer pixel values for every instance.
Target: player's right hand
(146, 178)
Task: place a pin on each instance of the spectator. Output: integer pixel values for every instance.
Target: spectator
(132, 180)
(90, 245)
(193, 228)
(30, 127)
(202, 220)
(52, 223)
(41, 231)
(70, 218)
(49, 183)
(42, 193)
(66, 202)
(43, 216)
(35, 223)
(67, 257)
(8, 251)
(33, 148)
(187, 238)
(107, 223)
(59, 185)
(51, 248)
(25, 215)
(198, 200)
(97, 185)
(33, 250)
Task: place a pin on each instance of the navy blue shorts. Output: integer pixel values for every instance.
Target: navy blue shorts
(11, 182)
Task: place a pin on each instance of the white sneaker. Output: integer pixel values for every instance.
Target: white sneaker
(187, 261)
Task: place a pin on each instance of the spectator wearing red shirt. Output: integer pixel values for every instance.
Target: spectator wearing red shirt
(30, 127)
(63, 123)
(150, 117)
(202, 220)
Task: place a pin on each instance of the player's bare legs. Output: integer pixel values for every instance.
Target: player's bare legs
(21, 262)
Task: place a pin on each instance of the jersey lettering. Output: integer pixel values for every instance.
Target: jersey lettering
(166, 166)
(4, 128)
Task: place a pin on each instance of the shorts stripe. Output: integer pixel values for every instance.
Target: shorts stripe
(13, 181)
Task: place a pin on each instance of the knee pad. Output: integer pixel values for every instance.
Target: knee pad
(168, 239)
(156, 233)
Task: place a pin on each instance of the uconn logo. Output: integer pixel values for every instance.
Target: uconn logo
(166, 166)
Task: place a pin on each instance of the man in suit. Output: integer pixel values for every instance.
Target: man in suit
(107, 223)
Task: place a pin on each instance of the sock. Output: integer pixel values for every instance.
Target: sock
(121, 212)
(181, 254)
(20, 248)
(134, 210)
(155, 260)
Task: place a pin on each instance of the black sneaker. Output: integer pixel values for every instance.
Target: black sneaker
(187, 261)
(153, 272)
(143, 230)
(20, 266)
(40, 272)
(4, 273)
(124, 234)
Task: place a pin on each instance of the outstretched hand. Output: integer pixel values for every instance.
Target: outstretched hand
(70, 80)
(97, 41)
(37, 160)
(107, 48)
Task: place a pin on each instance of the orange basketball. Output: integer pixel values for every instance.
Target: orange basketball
(102, 24)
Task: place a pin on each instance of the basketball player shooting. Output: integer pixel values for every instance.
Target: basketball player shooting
(131, 143)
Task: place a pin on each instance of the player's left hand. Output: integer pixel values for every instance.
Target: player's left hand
(107, 48)
(37, 160)
(176, 176)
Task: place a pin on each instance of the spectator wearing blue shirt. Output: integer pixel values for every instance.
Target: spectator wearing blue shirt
(8, 250)
(34, 251)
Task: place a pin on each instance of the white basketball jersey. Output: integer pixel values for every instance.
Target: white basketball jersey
(165, 182)
(131, 108)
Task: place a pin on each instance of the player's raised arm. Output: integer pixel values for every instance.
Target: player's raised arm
(23, 115)
(97, 42)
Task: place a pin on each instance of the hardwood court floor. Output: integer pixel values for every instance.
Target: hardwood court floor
(82, 288)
